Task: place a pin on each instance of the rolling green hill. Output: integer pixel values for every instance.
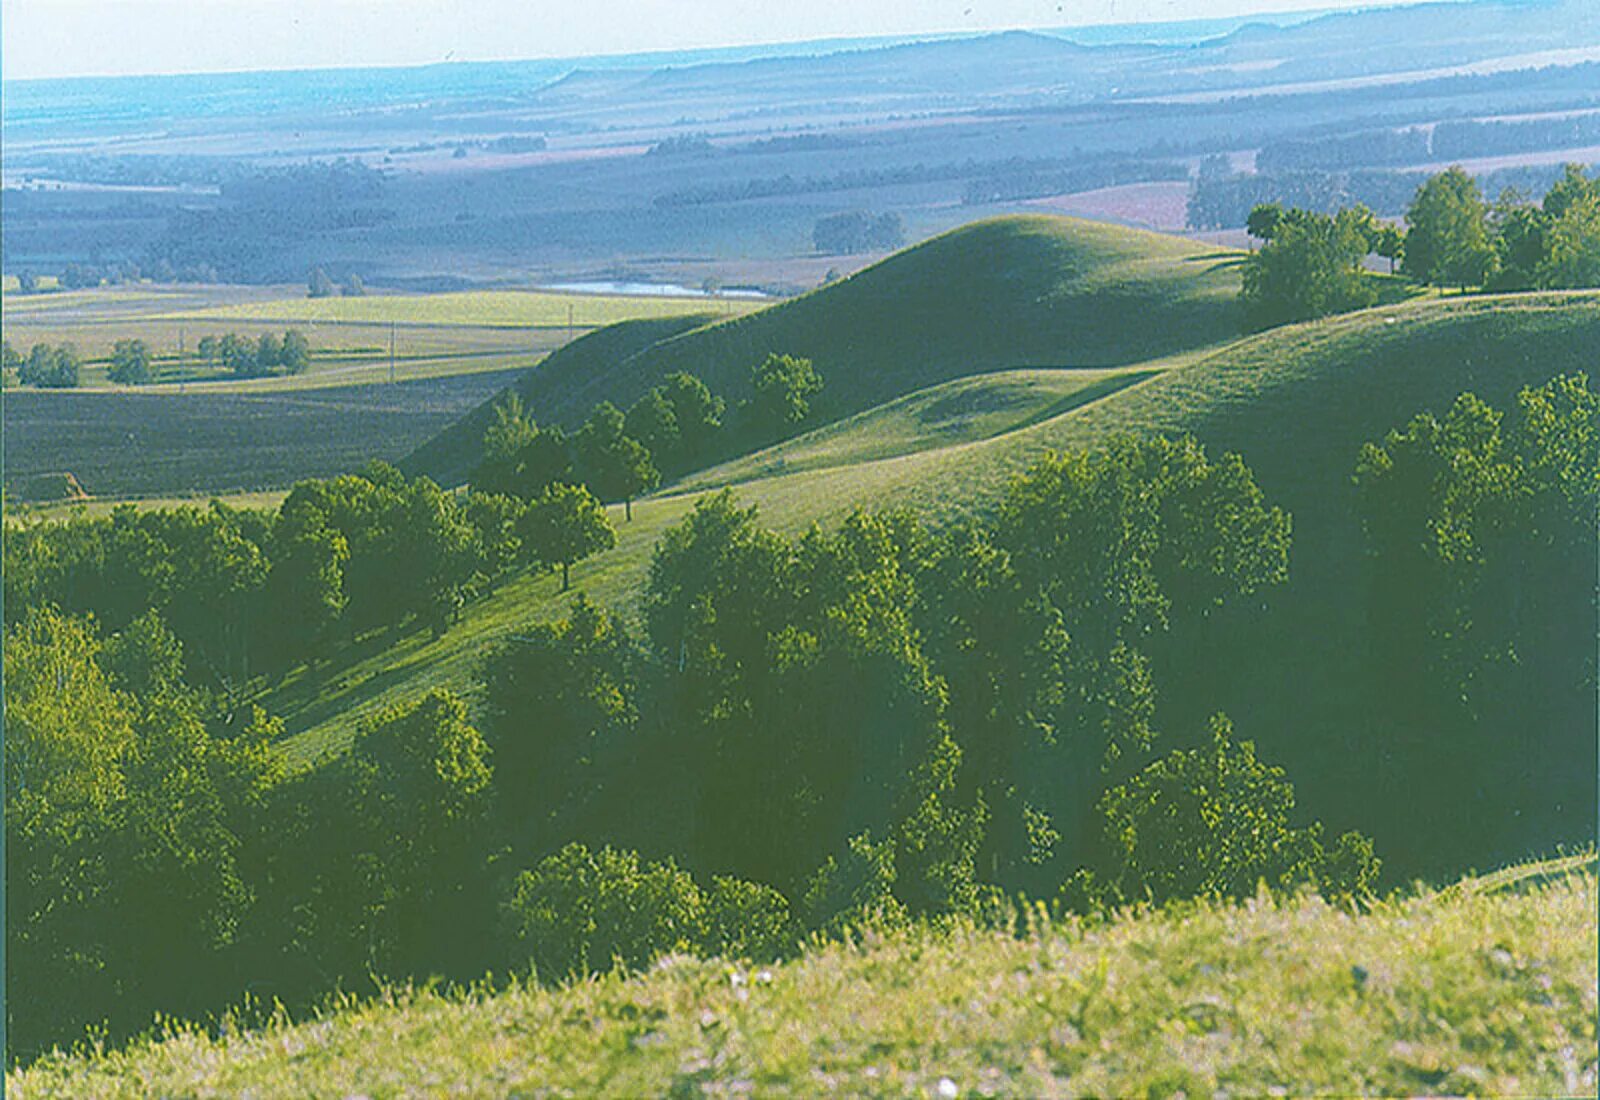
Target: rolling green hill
(1484, 988)
(1297, 402)
(1005, 293)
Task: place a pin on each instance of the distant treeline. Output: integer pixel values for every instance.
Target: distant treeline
(1014, 177)
(1421, 144)
(1030, 184)
(1220, 199)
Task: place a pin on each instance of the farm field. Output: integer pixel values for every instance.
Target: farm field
(472, 309)
(1486, 986)
(159, 444)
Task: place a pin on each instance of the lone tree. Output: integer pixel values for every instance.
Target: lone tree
(318, 285)
(130, 363)
(1448, 243)
(784, 387)
(566, 524)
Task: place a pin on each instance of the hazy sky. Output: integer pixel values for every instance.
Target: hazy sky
(102, 37)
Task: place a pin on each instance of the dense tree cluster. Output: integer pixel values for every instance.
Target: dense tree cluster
(673, 428)
(266, 354)
(858, 231)
(1311, 265)
(1222, 199)
(1456, 238)
(248, 591)
(130, 363)
(49, 367)
(1481, 594)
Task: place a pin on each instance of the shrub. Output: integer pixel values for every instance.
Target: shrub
(579, 911)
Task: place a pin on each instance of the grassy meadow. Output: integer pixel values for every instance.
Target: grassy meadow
(1486, 987)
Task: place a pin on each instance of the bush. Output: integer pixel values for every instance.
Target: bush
(1214, 822)
(580, 911)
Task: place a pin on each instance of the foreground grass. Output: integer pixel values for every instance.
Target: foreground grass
(1484, 988)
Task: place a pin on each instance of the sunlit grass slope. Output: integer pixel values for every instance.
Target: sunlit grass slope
(1297, 402)
(1006, 293)
(1485, 988)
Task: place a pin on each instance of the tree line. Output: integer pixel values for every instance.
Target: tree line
(673, 428)
(133, 363)
(1219, 198)
(855, 727)
(1312, 264)
(261, 591)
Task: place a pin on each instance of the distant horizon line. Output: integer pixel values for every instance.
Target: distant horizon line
(839, 44)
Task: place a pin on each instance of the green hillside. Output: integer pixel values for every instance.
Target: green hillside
(1006, 293)
(1297, 402)
(1485, 988)
(450, 456)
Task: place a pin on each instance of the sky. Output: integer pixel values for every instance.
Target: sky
(46, 38)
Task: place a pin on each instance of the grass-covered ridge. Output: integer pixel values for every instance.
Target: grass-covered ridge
(1297, 402)
(1013, 292)
(1487, 987)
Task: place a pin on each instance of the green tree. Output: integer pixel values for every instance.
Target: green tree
(1448, 242)
(237, 355)
(1214, 822)
(130, 362)
(653, 421)
(294, 353)
(269, 353)
(579, 911)
(697, 412)
(1390, 243)
(557, 694)
(10, 358)
(783, 388)
(1311, 268)
(1573, 243)
(1263, 220)
(566, 524)
(613, 464)
(1520, 236)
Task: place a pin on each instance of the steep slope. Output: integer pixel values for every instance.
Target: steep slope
(1000, 294)
(1486, 987)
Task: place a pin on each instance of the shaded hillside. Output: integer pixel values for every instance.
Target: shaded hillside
(1484, 988)
(450, 456)
(1006, 293)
